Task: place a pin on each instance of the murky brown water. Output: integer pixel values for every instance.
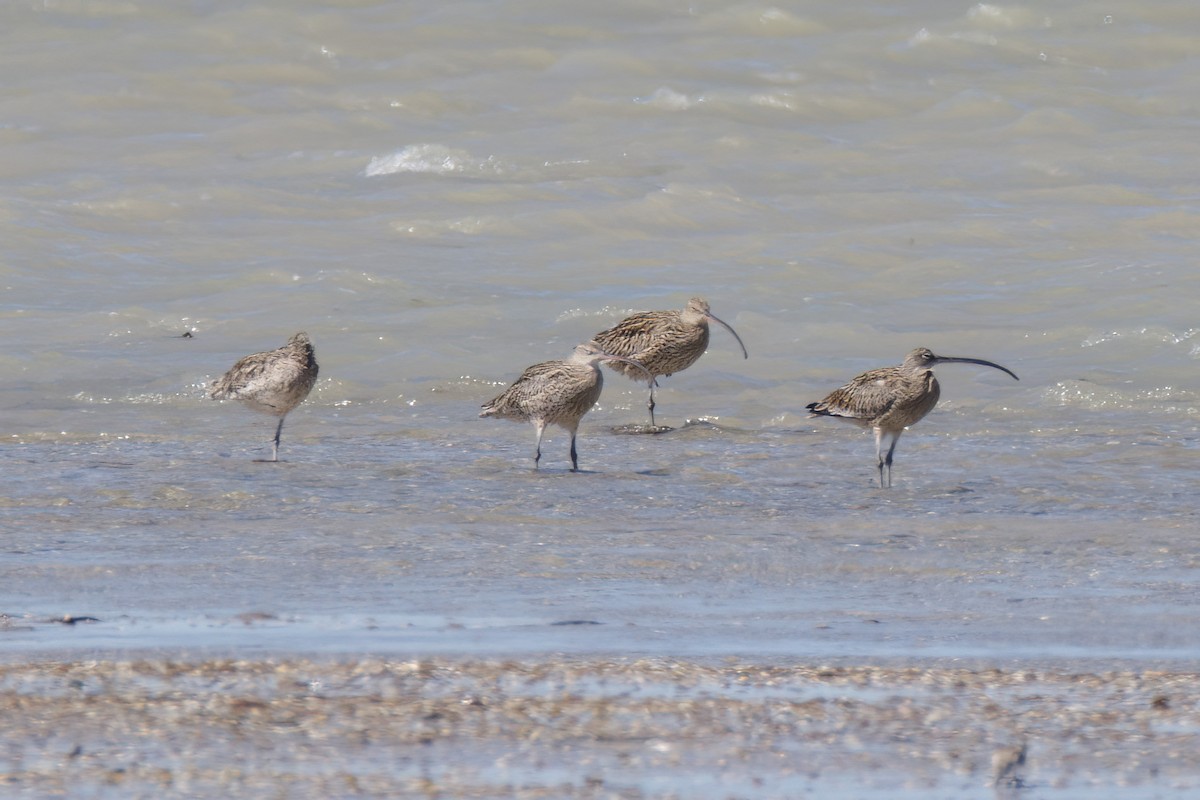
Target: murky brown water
(443, 195)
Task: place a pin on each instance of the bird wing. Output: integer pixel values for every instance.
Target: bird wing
(247, 369)
(867, 397)
(544, 377)
(537, 386)
(634, 334)
(260, 371)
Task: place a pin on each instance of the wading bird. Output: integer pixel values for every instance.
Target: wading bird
(890, 399)
(663, 342)
(554, 393)
(273, 382)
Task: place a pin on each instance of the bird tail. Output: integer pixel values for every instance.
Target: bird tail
(819, 410)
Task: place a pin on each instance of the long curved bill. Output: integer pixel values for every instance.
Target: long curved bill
(739, 339)
(980, 361)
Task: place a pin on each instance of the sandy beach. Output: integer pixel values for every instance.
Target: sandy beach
(589, 728)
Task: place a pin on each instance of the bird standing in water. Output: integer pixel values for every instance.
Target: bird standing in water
(273, 382)
(555, 393)
(663, 342)
(890, 399)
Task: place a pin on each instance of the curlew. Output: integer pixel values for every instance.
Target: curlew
(664, 342)
(554, 393)
(273, 382)
(890, 399)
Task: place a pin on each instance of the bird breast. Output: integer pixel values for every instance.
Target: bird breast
(913, 400)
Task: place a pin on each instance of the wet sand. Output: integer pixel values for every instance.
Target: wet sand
(590, 728)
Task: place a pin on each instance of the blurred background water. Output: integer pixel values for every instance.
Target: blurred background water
(442, 194)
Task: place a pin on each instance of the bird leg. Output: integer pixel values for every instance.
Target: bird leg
(879, 454)
(574, 455)
(885, 460)
(891, 451)
(537, 456)
(274, 444)
(650, 404)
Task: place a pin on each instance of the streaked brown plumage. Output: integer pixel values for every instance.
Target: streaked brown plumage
(554, 393)
(890, 399)
(664, 342)
(273, 382)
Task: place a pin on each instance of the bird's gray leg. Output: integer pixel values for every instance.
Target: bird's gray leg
(890, 452)
(574, 455)
(650, 405)
(537, 456)
(879, 455)
(275, 444)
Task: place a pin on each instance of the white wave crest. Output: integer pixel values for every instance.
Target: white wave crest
(435, 159)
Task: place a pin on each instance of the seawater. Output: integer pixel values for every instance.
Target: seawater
(442, 194)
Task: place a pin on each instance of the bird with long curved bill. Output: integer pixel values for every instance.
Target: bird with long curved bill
(662, 342)
(890, 399)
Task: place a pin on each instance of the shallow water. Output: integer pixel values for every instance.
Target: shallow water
(699, 542)
(444, 194)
